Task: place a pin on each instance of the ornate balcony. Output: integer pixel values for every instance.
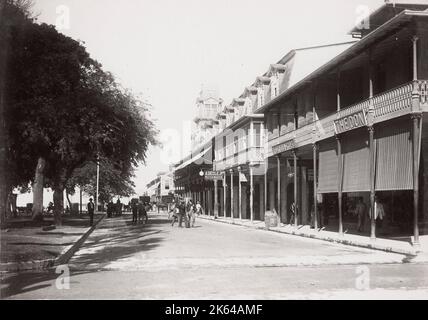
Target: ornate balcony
(387, 105)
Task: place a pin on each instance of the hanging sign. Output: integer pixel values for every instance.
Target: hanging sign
(350, 122)
(285, 146)
(213, 175)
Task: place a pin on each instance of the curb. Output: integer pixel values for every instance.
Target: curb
(63, 258)
(372, 246)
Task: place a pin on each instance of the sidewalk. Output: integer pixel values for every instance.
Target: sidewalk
(401, 247)
(28, 247)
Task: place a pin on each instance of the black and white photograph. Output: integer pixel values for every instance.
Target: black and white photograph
(234, 151)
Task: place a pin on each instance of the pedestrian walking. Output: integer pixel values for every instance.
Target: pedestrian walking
(142, 212)
(110, 209)
(134, 209)
(192, 213)
(91, 209)
(118, 207)
(181, 213)
(361, 211)
(172, 213)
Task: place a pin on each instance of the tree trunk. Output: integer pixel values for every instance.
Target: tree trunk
(37, 211)
(67, 195)
(3, 129)
(58, 199)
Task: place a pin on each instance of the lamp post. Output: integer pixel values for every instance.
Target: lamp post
(98, 182)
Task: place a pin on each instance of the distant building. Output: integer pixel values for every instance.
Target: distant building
(161, 187)
(208, 105)
(324, 128)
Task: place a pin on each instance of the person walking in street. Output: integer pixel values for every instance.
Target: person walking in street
(361, 211)
(110, 209)
(91, 209)
(141, 211)
(192, 214)
(198, 208)
(134, 209)
(173, 214)
(118, 207)
(190, 211)
(181, 213)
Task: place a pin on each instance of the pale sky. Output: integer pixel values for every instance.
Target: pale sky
(166, 50)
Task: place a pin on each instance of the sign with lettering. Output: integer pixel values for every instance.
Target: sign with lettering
(285, 146)
(213, 175)
(353, 121)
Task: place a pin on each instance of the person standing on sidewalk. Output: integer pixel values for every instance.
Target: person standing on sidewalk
(361, 211)
(91, 208)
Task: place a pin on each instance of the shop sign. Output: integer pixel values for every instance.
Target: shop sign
(350, 122)
(213, 175)
(285, 146)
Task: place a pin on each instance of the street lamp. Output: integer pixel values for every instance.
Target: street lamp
(98, 181)
(201, 173)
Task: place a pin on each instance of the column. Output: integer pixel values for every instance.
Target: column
(416, 137)
(416, 119)
(370, 120)
(215, 199)
(278, 213)
(315, 147)
(231, 194)
(339, 153)
(339, 183)
(239, 194)
(251, 195)
(295, 188)
(224, 195)
(372, 184)
(265, 198)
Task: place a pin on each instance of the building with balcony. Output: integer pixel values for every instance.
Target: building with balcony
(329, 126)
(356, 128)
(206, 124)
(161, 187)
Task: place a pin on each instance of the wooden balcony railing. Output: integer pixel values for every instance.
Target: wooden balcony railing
(393, 100)
(254, 154)
(389, 104)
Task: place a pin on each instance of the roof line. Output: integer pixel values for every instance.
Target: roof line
(331, 63)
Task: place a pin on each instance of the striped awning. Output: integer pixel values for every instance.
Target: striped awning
(394, 155)
(356, 161)
(328, 166)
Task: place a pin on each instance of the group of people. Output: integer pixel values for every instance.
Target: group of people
(362, 212)
(139, 211)
(187, 211)
(115, 208)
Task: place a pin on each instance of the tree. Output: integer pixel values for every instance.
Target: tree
(113, 181)
(63, 110)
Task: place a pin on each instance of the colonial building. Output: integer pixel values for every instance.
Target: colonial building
(160, 188)
(358, 131)
(328, 126)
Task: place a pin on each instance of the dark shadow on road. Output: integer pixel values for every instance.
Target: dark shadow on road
(17, 283)
(117, 243)
(121, 242)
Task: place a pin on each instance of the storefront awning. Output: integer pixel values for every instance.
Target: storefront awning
(394, 156)
(328, 167)
(200, 158)
(356, 161)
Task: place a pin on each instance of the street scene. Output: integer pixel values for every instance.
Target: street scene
(214, 260)
(157, 150)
